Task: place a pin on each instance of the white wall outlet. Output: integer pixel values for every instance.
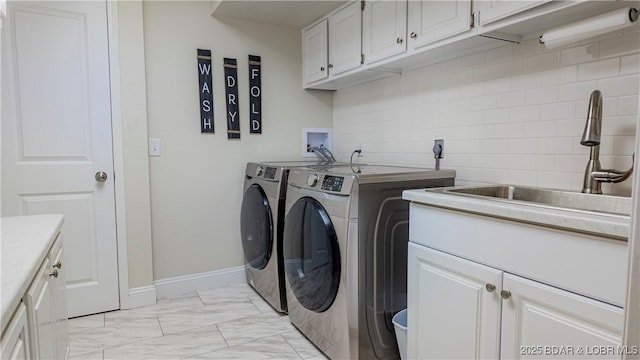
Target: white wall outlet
(154, 147)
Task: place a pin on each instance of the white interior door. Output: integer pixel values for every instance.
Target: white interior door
(56, 135)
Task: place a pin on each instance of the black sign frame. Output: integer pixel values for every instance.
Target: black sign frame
(255, 95)
(206, 91)
(231, 87)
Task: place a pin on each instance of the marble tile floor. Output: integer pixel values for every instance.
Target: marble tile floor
(227, 323)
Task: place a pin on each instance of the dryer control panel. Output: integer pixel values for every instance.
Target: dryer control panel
(332, 183)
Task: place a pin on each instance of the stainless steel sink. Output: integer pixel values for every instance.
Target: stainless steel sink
(549, 198)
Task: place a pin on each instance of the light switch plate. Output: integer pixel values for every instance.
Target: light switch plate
(154, 147)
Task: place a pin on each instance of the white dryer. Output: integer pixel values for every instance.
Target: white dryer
(345, 255)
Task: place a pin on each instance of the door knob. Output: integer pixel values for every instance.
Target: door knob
(54, 273)
(399, 40)
(490, 287)
(414, 35)
(101, 176)
(505, 294)
(58, 265)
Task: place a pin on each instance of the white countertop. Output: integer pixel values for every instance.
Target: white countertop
(609, 225)
(24, 244)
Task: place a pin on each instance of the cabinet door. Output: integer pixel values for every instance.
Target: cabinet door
(494, 10)
(384, 29)
(543, 321)
(59, 293)
(314, 52)
(15, 340)
(453, 307)
(345, 39)
(40, 314)
(430, 21)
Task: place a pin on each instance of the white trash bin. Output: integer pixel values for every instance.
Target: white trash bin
(400, 324)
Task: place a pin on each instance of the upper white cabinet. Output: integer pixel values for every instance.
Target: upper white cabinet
(333, 45)
(384, 29)
(431, 21)
(314, 53)
(345, 39)
(494, 10)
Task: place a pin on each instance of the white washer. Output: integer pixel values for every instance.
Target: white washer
(345, 255)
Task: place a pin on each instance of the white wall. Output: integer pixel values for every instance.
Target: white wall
(509, 115)
(197, 183)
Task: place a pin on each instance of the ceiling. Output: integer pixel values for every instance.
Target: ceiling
(288, 13)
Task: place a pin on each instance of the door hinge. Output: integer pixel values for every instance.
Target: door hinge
(362, 5)
(361, 58)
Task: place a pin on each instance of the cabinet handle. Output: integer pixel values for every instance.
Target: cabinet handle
(505, 294)
(58, 265)
(414, 35)
(490, 287)
(330, 66)
(399, 40)
(321, 68)
(54, 273)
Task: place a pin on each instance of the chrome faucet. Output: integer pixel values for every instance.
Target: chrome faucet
(594, 175)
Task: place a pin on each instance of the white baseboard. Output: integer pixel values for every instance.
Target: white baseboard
(142, 296)
(166, 288)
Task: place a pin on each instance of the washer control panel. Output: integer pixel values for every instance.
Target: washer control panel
(270, 173)
(332, 183)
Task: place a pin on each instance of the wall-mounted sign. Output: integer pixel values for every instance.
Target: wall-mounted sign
(206, 91)
(255, 93)
(231, 85)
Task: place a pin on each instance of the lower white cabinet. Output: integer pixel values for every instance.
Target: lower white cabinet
(462, 309)
(15, 341)
(47, 308)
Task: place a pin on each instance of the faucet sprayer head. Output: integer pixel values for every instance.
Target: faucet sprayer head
(591, 135)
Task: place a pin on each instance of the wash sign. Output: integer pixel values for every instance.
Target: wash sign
(231, 85)
(206, 91)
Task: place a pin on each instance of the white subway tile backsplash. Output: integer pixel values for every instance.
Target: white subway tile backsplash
(525, 113)
(541, 95)
(619, 86)
(620, 46)
(557, 111)
(543, 62)
(599, 69)
(627, 105)
(630, 64)
(580, 54)
(514, 114)
(564, 75)
(576, 91)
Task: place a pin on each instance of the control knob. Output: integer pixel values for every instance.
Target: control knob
(312, 180)
(259, 170)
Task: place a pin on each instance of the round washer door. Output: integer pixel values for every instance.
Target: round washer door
(256, 227)
(311, 255)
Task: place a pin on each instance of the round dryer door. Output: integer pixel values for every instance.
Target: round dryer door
(311, 255)
(256, 227)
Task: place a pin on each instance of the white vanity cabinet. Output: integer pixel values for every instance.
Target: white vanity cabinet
(47, 308)
(432, 21)
(33, 289)
(462, 309)
(384, 29)
(15, 340)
